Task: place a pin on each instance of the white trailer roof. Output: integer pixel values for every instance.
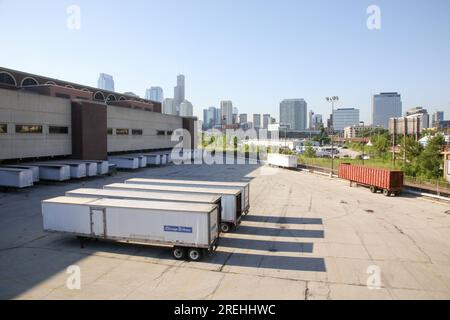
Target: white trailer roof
(155, 187)
(13, 169)
(136, 204)
(149, 195)
(195, 182)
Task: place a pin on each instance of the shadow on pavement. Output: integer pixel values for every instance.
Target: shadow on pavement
(280, 232)
(266, 245)
(283, 220)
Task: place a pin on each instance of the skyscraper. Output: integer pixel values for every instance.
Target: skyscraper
(293, 113)
(211, 118)
(169, 107)
(437, 117)
(422, 113)
(243, 118)
(317, 121)
(226, 110)
(105, 82)
(179, 92)
(384, 106)
(310, 119)
(266, 120)
(186, 109)
(154, 94)
(345, 117)
(257, 121)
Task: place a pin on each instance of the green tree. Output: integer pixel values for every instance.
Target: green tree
(413, 149)
(309, 150)
(380, 144)
(430, 160)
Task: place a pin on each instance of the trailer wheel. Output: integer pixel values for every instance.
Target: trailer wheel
(373, 189)
(179, 253)
(195, 254)
(225, 227)
(386, 193)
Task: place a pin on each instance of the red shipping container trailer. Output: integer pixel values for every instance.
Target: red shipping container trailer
(388, 181)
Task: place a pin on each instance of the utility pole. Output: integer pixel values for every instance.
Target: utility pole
(363, 142)
(332, 100)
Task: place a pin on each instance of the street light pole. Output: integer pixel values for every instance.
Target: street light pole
(363, 125)
(332, 100)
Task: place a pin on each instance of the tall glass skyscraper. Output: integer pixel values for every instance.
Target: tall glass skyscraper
(293, 113)
(105, 82)
(345, 117)
(179, 92)
(226, 110)
(154, 94)
(386, 105)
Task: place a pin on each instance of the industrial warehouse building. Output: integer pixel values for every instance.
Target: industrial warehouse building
(43, 117)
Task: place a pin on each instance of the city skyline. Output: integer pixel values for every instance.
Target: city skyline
(402, 45)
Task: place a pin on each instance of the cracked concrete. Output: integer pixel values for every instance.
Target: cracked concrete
(306, 237)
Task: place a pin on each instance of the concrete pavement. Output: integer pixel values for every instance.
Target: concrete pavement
(306, 237)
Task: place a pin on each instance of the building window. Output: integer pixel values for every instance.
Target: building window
(109, 131)
(122, 132)
(58, 130)
(136, 132)
(160, 132)
(3, 128)
(169, 133)
(25, 128)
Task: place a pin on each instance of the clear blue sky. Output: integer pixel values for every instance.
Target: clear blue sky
(253, 52)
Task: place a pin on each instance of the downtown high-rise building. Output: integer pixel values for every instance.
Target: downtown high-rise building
(226, 112)
(155, 94)
(243, 118)
(211, 118)
(386, 105)
(257, 121)
(437, 117)
(293, 114)
(266, 121)
(168, 106)
(310, 119)
(179, 94)
(186, 109)
(105, 82)
(317, 121)
(345, 117)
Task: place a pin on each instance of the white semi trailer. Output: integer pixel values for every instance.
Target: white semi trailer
(191, 229)
(243, 186)
(52, 172)
(15, 177)
(282, 160)
(231, 199)
(102, 166)
(34, 169)
(125, 162)
(146, 195)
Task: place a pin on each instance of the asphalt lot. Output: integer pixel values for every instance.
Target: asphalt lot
(306, 237)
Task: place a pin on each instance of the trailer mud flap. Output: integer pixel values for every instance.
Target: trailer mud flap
(98, 222)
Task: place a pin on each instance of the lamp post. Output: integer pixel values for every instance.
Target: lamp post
(332, 100)
(363, 142)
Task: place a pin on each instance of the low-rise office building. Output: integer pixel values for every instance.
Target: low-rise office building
(43, 117)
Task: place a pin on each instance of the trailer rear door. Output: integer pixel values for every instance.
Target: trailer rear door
(98, 222)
